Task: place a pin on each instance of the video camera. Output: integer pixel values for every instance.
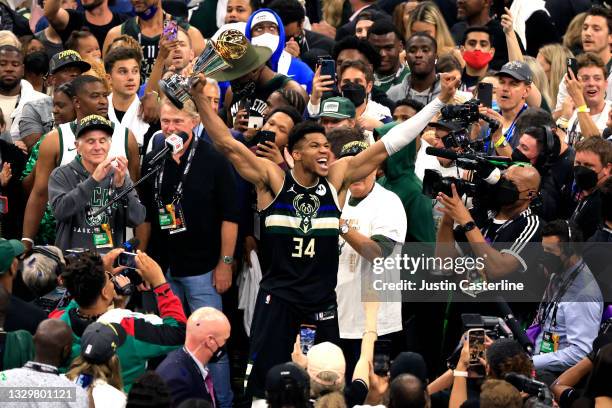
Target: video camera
(540, 395)
(463, 116)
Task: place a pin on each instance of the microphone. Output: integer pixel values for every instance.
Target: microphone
(514, 326)
(173, 145)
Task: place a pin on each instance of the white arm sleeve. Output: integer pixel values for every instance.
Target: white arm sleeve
(313, 109)
(404, 133)
(561, 95)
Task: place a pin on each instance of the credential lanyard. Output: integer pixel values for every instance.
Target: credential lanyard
(179, 189)
(554, 303)
(510, 132)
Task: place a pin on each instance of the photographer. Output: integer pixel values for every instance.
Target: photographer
(571, 309)
(85, 185)
(89, 280)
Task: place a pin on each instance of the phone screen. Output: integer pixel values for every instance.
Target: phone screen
(572, 65)
(307, 337)
(476, 339)
(485, 94)
(127, 259)
(170, 30)
(382, 357)
(266, 136)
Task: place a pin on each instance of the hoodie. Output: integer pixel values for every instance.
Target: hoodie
(281, 61)
(401, 179)
(74, 195)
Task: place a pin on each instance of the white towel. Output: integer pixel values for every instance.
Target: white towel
(130, 119)
(248, 286)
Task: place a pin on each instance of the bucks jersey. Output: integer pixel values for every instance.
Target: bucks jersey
(67, 131)
(301, 241)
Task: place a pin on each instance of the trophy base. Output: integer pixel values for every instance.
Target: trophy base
(174, 95)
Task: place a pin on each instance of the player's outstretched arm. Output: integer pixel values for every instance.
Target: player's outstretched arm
(348, 170)
(252, 168)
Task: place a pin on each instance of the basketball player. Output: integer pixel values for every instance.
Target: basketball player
(301, 210)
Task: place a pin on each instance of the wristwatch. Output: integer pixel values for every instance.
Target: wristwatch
(344, 228)
(468, 226)
(228, 260)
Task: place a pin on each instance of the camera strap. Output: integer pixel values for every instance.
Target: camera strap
(546, 307)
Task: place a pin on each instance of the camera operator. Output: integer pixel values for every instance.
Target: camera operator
(571, 309)
(541, 147)
(85, 185)
(92, 282)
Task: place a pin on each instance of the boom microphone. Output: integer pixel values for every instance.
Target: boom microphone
(518, 333)
(173, 145)
(485, 168)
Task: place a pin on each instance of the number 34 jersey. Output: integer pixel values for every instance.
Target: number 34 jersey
(301, 239)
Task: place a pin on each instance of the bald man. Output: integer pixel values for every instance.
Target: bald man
(408, 391)
(52, 344)
(184, 370)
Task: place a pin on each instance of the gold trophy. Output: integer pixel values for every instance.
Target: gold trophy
(217, 56)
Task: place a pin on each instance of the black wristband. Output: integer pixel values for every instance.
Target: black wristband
(567, 398)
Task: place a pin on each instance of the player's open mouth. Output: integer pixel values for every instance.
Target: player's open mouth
(323, 163)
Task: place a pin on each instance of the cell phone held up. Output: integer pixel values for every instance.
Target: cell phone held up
(170, 30)
(476, 340)
(328, 67)
(485, 94)
(382, 357)
(572, 65)
(307, 337)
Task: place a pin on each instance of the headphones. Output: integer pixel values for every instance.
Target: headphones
(42, 249)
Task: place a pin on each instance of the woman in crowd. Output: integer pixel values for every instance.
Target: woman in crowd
(553, 60)
(572, 39)
(427, 17)
(401, 15)
(540, 81)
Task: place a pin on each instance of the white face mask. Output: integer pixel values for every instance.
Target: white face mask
(267, 40)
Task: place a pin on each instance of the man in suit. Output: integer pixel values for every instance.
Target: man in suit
(358, 6)
(184, 370)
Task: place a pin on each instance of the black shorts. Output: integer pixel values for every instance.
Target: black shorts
(276, 324)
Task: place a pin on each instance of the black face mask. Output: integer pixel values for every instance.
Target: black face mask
(551, 262)
(584, 177)
(505, 193)
(218, 355)
(354, 92)
(518, 156)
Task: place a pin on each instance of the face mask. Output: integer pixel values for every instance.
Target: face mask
(356, 93)
(551, 262)
(268, 40)
(506, 193)
(518, 156)
(477, 59)
(218, 355)
(584, 177)
(148, 13)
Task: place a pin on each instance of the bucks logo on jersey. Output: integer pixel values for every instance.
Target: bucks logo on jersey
(99, 198)
(306, 208)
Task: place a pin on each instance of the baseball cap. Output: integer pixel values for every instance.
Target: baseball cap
(263, 16)
(9, 250)
(282, 374)
(100, 341)
(337, 107)
(408, 362)
(517, 70)
(326, 357)
(353, 148)
(446, 125)
(41, 269)
(94, 122)
(65, 59)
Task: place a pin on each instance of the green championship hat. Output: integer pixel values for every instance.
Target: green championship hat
(337, 107)
(94, 122)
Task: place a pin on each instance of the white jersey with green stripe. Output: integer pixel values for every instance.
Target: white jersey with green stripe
(119, 143)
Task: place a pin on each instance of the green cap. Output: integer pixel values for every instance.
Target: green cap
(353, 148)
(9, 250)
(337, 107)
(94, 122)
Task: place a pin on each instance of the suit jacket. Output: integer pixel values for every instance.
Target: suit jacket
(183, 377)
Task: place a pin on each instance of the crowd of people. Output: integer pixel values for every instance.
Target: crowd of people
(211, 203)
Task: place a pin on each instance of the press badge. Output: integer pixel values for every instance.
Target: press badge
(179, 219)
(102, 237)
(550, 342)
(166, 216)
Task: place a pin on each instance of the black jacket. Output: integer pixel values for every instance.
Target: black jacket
(316, 40)
(349, 28)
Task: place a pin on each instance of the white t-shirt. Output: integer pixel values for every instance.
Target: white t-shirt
(105, 395)
(599, 119)
(8, 105)
(380, 213)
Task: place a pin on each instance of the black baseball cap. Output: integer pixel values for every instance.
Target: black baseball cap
(517, 70)
(100, 341)
(65, 59)
(94, 122)
(447, 125)
(281, 374)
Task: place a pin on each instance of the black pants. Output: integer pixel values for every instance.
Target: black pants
(276, 324)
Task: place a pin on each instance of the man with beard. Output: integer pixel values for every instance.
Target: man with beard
(58, 148)
(386, 39)
(147, 29)
(15, 92)
(98, 18)
(422, 83)
(301, 208)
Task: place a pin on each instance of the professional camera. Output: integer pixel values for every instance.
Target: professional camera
(495, 327)
(540, 395)
(463, 116)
